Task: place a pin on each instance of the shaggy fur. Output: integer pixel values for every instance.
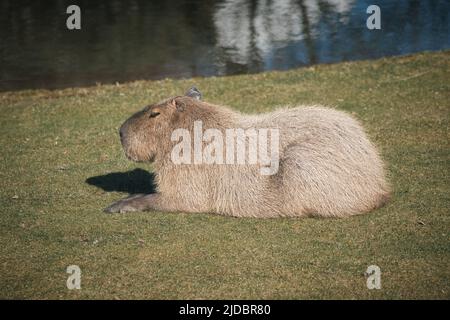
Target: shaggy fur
(328, 167)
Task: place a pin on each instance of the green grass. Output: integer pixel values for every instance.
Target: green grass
(53, 141)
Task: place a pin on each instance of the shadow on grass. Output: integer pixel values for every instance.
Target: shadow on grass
(135, 181)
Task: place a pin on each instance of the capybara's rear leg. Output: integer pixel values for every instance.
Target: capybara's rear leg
(137, 202)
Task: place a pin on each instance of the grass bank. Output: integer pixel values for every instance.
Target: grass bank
(62, 163)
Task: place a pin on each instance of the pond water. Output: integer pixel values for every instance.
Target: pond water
(129, 40)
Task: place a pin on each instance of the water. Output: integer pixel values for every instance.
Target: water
(130, 40)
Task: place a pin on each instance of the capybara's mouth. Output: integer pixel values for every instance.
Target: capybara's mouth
(126, 149)
(133, 157)
(130, 157)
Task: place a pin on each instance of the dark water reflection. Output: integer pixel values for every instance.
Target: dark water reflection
(129, 40)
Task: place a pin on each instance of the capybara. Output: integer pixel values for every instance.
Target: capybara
(322, 163)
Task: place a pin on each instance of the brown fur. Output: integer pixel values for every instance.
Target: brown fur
(328, 167)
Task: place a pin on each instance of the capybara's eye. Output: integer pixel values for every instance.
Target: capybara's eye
(153, 114)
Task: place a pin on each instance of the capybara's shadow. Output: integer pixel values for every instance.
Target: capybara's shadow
(135, 181)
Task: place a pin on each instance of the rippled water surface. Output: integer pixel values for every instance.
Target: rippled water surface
(130, 40)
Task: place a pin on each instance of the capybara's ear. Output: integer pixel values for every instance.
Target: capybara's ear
(179, 105)
(194, 93)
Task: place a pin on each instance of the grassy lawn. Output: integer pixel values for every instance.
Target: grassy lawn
(62, 163)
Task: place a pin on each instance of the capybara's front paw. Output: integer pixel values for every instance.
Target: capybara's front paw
(121, 206)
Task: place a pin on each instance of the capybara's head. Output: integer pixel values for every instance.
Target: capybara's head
(144, 133)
